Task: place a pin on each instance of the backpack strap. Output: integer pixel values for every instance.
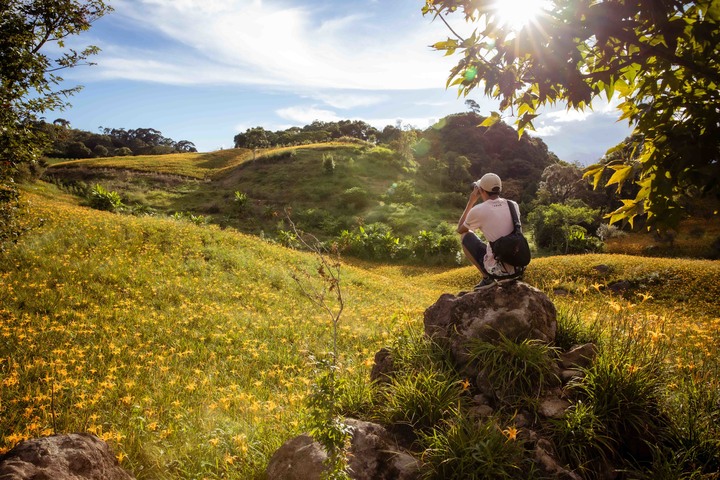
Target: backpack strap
(517, 228)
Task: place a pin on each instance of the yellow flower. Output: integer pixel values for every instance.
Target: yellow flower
(511, 433)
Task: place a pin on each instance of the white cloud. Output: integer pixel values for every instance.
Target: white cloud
(306, 115)
(544, 131)
(350, 100)
(563, 116)
(278, 43)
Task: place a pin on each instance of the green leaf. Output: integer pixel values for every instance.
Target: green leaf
(622, 172)
(596, 172)
(491, 120)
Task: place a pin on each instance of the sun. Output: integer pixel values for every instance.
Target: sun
(518, 13)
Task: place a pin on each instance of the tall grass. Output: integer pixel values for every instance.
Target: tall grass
(188, 348)
(185, 346)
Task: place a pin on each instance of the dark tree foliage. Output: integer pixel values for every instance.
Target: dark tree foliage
(317, 132)
(32, 36)
(494, 149)
(660, 58)
(66, 142)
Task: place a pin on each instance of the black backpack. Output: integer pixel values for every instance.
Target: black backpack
(513, 248)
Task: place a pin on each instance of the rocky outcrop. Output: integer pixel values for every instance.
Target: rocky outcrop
(76, 456)
(374, 455)
(516, 311)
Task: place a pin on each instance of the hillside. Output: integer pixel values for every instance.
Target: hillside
(361, 189)
(98, 307)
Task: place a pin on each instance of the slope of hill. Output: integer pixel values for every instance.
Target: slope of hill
(366, 184)
(189, 347)
(186, 346)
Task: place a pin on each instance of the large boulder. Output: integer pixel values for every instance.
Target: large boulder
(374, 455)
(76, 456)
(515, 310)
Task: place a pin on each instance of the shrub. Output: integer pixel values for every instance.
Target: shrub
(465, 449)
(582, 440)
(102, 199)
(606, 231)
(421, 400)
(328, 163)
(356, 198)
(190, 217)
(100, 151)
(375, 241)
(403, 192)
(78, 150)
(624, 398)
(123, 152)
(428, 245)
(517, 370)
(559, 227)
(241, 200)
(571, 330)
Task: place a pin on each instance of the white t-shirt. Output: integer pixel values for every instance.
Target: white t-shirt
(493, 219)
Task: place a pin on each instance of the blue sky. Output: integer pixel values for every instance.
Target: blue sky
(205, 70)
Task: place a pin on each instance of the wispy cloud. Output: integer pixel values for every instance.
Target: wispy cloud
(564, 116)
(306, 115)
(276, 43)
(544, 131)
(350, 100)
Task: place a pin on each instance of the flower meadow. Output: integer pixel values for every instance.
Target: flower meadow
(186, 347)
(189, 348)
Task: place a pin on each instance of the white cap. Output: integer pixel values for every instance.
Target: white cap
(490, 183)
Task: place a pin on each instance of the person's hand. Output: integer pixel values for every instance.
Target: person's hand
(475, 194)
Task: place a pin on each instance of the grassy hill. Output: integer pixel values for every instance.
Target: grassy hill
(188, 347)
(361, 189)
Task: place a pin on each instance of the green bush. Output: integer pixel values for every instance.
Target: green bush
(102, 199)
(572, 330)
(355, 198)
(328, 163)
(582, 440)
(402, 192)
(517, 370)
(468, 450)
(421, 400)
(559, 227)
(375, 241)
(625, 401)
(435, 246)
(241, 200)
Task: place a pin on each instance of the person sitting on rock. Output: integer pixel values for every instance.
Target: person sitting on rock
(493, 218)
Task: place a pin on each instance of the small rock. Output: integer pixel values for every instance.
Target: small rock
(580, 356)
(566, 376)
(553, 407)
(373, 455)
(75, 456)
(384, 366)
(481, 411)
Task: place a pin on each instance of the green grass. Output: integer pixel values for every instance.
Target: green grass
(188, 347)
(185, 346)
(274, 180)
(193, 165)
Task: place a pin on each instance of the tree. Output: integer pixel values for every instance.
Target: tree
(29, 31)
(659, 57)
(252, 138)
(560, 182)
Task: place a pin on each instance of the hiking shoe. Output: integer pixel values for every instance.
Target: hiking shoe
(486, 282)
